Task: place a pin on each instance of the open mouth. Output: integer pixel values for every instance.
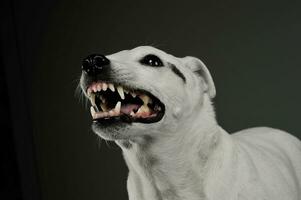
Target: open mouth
(113, 103)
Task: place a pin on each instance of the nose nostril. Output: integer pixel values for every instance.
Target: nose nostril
(94, 64)
(85, 64)
(98, 62)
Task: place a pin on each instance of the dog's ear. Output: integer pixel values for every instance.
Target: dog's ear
(198, 67)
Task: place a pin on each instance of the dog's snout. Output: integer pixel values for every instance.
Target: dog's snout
(94, 64)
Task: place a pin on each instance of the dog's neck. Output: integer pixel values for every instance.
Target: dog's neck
(176, 167)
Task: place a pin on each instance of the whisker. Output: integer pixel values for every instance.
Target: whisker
(78, 93)
(99, 141)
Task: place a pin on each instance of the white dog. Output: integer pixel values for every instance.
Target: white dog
(158, 109)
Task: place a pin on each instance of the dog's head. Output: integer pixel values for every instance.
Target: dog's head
(143, 92)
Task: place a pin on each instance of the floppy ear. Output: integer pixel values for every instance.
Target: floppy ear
(198, 67)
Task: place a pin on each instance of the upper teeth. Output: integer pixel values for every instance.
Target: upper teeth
(92, 99)
(145, 99)
(89, 91)
(133, 94)
(99, 86)
(104, 86)
(120, 92)
(111, 86)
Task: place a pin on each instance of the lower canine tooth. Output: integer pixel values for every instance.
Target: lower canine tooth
(103, 107)
(143, 109)
(93, 113)
(117, 107)
(145, 99)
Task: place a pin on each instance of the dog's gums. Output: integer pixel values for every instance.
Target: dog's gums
(119, 102)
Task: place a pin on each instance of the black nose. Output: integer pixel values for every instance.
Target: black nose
(94, 64)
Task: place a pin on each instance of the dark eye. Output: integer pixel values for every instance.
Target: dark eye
(151, 60)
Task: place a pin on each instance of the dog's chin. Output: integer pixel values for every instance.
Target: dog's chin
(124, 127)
(111, 132)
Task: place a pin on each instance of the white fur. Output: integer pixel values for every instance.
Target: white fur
(187, 155)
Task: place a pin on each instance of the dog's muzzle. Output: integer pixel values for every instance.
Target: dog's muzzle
(111, 100)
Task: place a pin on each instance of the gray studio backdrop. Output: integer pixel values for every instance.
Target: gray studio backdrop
(252, 50)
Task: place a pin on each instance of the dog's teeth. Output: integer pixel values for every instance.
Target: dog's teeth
(94, 88)
(111, 86)
(120, 92)
(117, 107)
(92, 99)
(112, 113)
(144, 98)
(157, 108)
(133, 94)
(103, 100)
(103, 107)
(89, 92)
(126, 91)
(104, 86)
(132, 114)
(93, 113)
(98, 87)
(96, 108)
(140, 110)
(143, 109)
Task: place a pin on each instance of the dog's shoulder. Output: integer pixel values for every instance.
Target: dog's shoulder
(270, 140)
(274, 155)
(266, 134)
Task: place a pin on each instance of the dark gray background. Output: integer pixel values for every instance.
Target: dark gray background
(251, 48)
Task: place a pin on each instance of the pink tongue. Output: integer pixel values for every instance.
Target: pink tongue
(127, 109)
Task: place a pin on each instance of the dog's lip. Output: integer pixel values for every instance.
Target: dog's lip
(125, 117)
